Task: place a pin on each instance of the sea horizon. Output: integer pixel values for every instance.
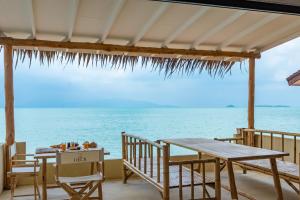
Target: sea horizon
(42, 127)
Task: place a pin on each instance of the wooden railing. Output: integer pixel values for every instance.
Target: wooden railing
(143, 157)
(137, 150)
(266, 139)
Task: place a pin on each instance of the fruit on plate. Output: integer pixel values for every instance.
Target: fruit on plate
(93, 145)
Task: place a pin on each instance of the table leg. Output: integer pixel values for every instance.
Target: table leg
(233, 190)
(217, 180)
(44, 179)
(276, 178)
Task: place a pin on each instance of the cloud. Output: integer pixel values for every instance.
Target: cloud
(280, 62)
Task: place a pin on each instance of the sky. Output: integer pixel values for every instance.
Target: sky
(60, 85)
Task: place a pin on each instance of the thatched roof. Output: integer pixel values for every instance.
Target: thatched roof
(167, 65)
(294, 79)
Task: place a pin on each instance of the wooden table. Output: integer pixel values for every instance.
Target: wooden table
(230, 152)
(44, 157)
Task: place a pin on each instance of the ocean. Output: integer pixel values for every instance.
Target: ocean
(41, 127)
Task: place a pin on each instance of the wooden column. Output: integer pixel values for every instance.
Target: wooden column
(9, 107)
(251, 99)
(9, 95)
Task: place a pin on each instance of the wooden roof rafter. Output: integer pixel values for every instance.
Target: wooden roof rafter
(118, 5)
(218, 28)
(154, 17)
(74, 5)
(275, 33)
(185, 25)
(32, 19)
(248, 30)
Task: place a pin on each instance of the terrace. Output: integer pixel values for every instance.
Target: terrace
(255, 184)
(170, 37)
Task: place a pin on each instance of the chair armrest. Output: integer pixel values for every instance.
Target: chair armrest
(22, 154)
(28, 161)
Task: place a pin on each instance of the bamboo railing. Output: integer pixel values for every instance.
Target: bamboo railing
(151, 161)
(267, 139)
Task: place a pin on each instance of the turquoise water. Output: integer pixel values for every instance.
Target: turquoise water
(46, 126)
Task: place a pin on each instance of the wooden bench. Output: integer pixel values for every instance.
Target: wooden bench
(287, 170)
(151, 162)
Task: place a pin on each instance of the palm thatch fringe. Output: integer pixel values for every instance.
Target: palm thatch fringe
(166, 65)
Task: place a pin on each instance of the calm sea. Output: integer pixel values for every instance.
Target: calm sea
(45, 126)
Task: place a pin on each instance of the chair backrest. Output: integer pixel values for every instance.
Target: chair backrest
(12, 150)
(83, 156)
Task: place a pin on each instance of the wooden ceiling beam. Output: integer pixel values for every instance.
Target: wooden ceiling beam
(154, 17)
(218, 28)
(117, 7)
(185, 25)
(272, 35)
(107, 48)
(74, 4)
(32, 19)
(249, 30)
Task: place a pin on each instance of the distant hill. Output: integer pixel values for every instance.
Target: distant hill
(273, 106)
(103, 103)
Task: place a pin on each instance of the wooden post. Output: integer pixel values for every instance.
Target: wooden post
(251, 99)
(9, 95)
(9, 107)
(166, 184)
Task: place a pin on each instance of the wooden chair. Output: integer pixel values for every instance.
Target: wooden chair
(22, 168)
(90, 183)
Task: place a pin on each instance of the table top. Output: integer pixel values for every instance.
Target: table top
(224, 150)
(53, 155)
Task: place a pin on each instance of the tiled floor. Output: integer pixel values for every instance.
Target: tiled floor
(256, 185)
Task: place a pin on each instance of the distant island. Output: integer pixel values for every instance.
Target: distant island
(262, 106)
(230, 106)
(273, 106)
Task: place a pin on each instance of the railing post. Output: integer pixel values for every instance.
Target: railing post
(124, 156)
(241, 133)
(166, 184)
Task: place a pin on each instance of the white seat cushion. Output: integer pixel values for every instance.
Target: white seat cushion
(81, 179)
(24, 170)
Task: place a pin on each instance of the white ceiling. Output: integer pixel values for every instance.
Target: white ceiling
(146, 23)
